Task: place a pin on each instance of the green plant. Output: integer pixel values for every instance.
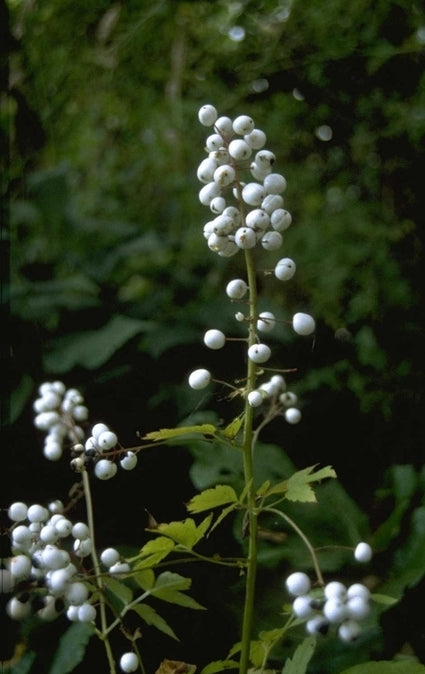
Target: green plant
(100, 592)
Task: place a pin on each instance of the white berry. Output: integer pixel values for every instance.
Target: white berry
(129, 662)
(303, 324)
(255, 398)
(207, 115)
(18, 511)
(105, 469)
(86, 613)
(236, 289)
(199, 379)
(107, 440)
(363, 552)
(293, 415)
(109, 556)
(129, 461)
(214, 339)
(259, 353)
(298, 583)
(285, 269)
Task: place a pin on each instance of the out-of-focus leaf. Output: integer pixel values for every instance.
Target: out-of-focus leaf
(71, 648)
(93, 348)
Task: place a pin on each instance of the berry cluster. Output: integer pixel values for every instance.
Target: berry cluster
(333, 605)
(255, 216)
(46, 572)
(259, 216)
(59, 413)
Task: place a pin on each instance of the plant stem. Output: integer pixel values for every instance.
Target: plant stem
(248, 461)
(103, 635)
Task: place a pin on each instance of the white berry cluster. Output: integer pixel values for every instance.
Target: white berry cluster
(254, 216)
(258, 216)
(46, 572)
(274, 390)
(59, 413)
(334, 605)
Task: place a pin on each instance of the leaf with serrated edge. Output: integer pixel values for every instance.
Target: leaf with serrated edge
(212, 498)
(297, 487)
(145, 578)
(151, 617)
(299, 662)
(185, 533)
(154, 551)
(170, 433)
(222, 515)
(168, 587)
(118, 589)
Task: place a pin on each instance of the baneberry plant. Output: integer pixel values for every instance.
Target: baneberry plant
(56, 566)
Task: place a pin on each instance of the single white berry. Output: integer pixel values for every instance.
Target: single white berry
(20, 567)
(335, 589)
(303, 324)
(236, 289)
(302, 606)
(107, 440)
(105, 469)
(266, 321)
(317, 625)
(274, 183)
(21, 534)
(81, 530)
(129, 662)
(129, 461)
(224, 126)
(17, 511)
(37, 513)
(280, 219)
(199, 379)
(208, 192)
(98, 429)
(255, 398)
(257, 219)
(349, 631)
(265, 159)
(52, 451)
(243, 125)
(293, 415)
(76, 593)
(214, 142)
(239, 149)
(335, 610)
(207, 115)
(253, 194)
(298, 583)
(214, 339)
(259, 353)
(18, 610)
(255, 139)
(272, 203)
(272, 240)
(224, 175)
(357, 607)
(217, 205)
(358, 590)
(285, 269)
(119, 569)
(363, 552)
(109, 556)
(288, 398)
(206, 168)
(86, 613)
(245, 238)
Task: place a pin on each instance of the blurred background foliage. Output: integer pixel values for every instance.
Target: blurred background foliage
(111, 283)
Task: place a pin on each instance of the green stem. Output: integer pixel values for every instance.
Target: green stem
(248, 464)
(98, 575)
(303, 537)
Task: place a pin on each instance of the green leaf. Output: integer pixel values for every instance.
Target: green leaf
(154, 551)
(145, 578)
(151, 617)
(233, 428)
(71, 648)
(384, 599)
(212, 498)
(92, 348)
(386, 667)
(297, 487)
(185, 533)
(170, 433)
(219, 666)
(168, 587)
(24, 664)
(120, 591)
(223, 515)
(299, 662)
